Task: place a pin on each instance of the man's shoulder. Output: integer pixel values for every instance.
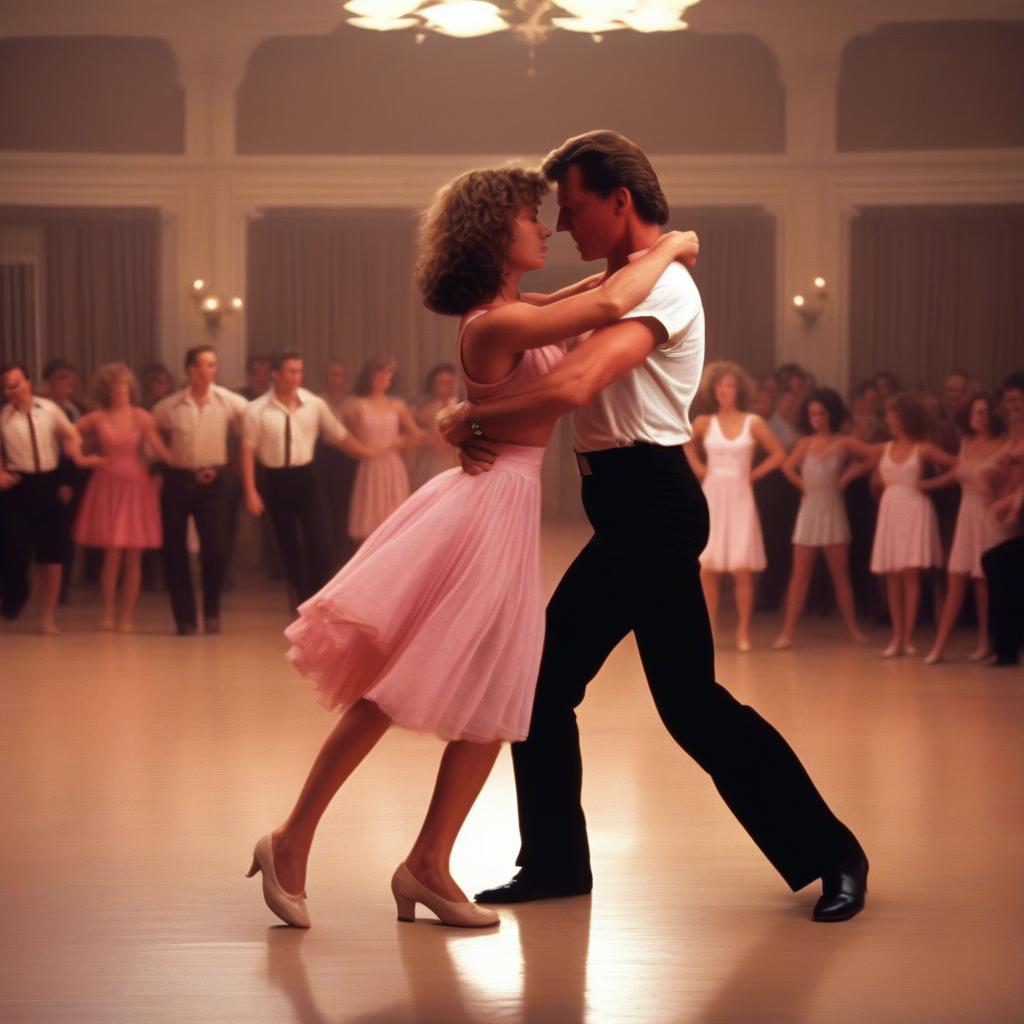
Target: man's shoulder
(230, 398)
(167, 403)
(41, 402)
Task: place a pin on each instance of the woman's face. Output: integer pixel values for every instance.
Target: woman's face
(444, 385)
(817, 416)
(382, 379)
(893, 421)
(725, 392)
(161, 385)
(528, 247)
(121, 391)
(978, 421)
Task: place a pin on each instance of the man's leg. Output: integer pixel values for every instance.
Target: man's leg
(210, 511)
(175, 505)
(317, 557)
(1004, 566)
(586, 619)
(283, 510)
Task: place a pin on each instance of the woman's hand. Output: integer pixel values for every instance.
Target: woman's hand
(254, 503)
(686, 245)
(8, 480)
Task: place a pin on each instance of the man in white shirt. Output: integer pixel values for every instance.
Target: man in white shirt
(629, 387)
(281, 429)
(34, 433)
(196, 421)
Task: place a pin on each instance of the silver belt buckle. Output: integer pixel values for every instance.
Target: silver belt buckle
(583, 464)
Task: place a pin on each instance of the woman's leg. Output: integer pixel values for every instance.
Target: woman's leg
(463, 771)
(981, 601)
(108, 584)
(744, 580)
(955, 591)
(837, 558)
(911, 602)
(894, 593)
(799, 580)
(49, 577)
(355, 735)
(130, 587)
(709, 581)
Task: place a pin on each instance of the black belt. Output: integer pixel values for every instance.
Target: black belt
(625, 459)
(213, 472)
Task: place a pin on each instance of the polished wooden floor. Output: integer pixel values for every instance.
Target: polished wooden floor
(138, 770)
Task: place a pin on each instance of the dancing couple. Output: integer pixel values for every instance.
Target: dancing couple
(452, 579)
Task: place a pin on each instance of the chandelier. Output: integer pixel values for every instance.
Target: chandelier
(531, 20)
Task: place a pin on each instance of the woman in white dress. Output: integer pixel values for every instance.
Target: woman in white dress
(977, 529)
(907, 533)
(728, 439)
(821, 465)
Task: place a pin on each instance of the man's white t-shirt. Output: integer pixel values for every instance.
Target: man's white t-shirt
(651, 403)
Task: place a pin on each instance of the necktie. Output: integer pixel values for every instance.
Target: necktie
(37, 467)
(287, 439)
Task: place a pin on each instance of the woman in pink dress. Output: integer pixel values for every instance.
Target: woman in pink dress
(119, 510)
(729, 438)
(907, 531)
(384, 422)
(436, 623)
(441, 391)
(977, 529)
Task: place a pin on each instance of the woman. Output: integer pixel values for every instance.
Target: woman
(381, 421)
(436, 455)
(820, 468)
(119, 511)
(463, 551)
(729, 438)
(907, 533)
(976, 528)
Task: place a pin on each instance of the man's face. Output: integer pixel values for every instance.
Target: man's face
(204, 369)
(596, 224)
(955, 393)
(17, 388)
(1013, 402)
(63, 385)
(289, 377)
(259, 375)
(337, 377)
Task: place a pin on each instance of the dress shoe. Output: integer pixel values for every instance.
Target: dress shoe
(843, 890)
(211, 626)
(290, 907)
(523, 888)
(408, 891)
(186, 629)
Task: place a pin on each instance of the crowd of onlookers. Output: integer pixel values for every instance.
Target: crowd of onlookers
(903, 491)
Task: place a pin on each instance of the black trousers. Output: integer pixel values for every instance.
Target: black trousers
(1004, 570)
(640, 573)
(296, 507)
(183, 496)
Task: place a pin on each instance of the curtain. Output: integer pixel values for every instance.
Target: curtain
(99, 280)
(933, 288)
(736, 278)
(18, 315)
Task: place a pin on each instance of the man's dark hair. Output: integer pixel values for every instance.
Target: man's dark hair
(1014, 382)
(14, 364)
(254, 359)
(193, 354)
(58, 365)
(607, 161)
(278, 359)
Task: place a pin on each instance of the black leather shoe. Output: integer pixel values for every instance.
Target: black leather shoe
(843, 890)
(186, 629)
(523, 888)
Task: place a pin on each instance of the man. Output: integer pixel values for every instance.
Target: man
(33, 509)
(197, 421)
(257, 373)
(335, 470)
(60, 378)
(281, 429)
(630, 386)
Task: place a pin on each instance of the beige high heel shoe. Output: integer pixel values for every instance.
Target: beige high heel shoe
(290, 907)
(408, 892)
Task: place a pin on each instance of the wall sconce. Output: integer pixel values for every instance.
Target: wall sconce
(211, 305)
(811, 308)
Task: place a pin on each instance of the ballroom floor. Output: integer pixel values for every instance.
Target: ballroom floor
(138, 771)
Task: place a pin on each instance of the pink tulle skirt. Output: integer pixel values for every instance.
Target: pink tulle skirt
(439, 617)
(380, 486)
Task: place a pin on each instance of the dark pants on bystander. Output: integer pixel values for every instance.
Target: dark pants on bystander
(1004, 570)
(640, 573)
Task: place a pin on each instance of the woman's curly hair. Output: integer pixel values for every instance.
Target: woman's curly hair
(105, 379)
(713, 373)
(466, 233)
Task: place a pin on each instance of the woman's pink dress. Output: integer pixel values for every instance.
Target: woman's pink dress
(439, 616)
(381, 485)
(907, 530)
(119, 508)
(977, 529)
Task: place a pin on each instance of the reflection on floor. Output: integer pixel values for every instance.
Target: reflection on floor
(140, 769)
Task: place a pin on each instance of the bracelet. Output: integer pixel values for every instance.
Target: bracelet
(475, 429)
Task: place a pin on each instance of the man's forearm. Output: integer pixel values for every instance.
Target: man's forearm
(547, 397)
